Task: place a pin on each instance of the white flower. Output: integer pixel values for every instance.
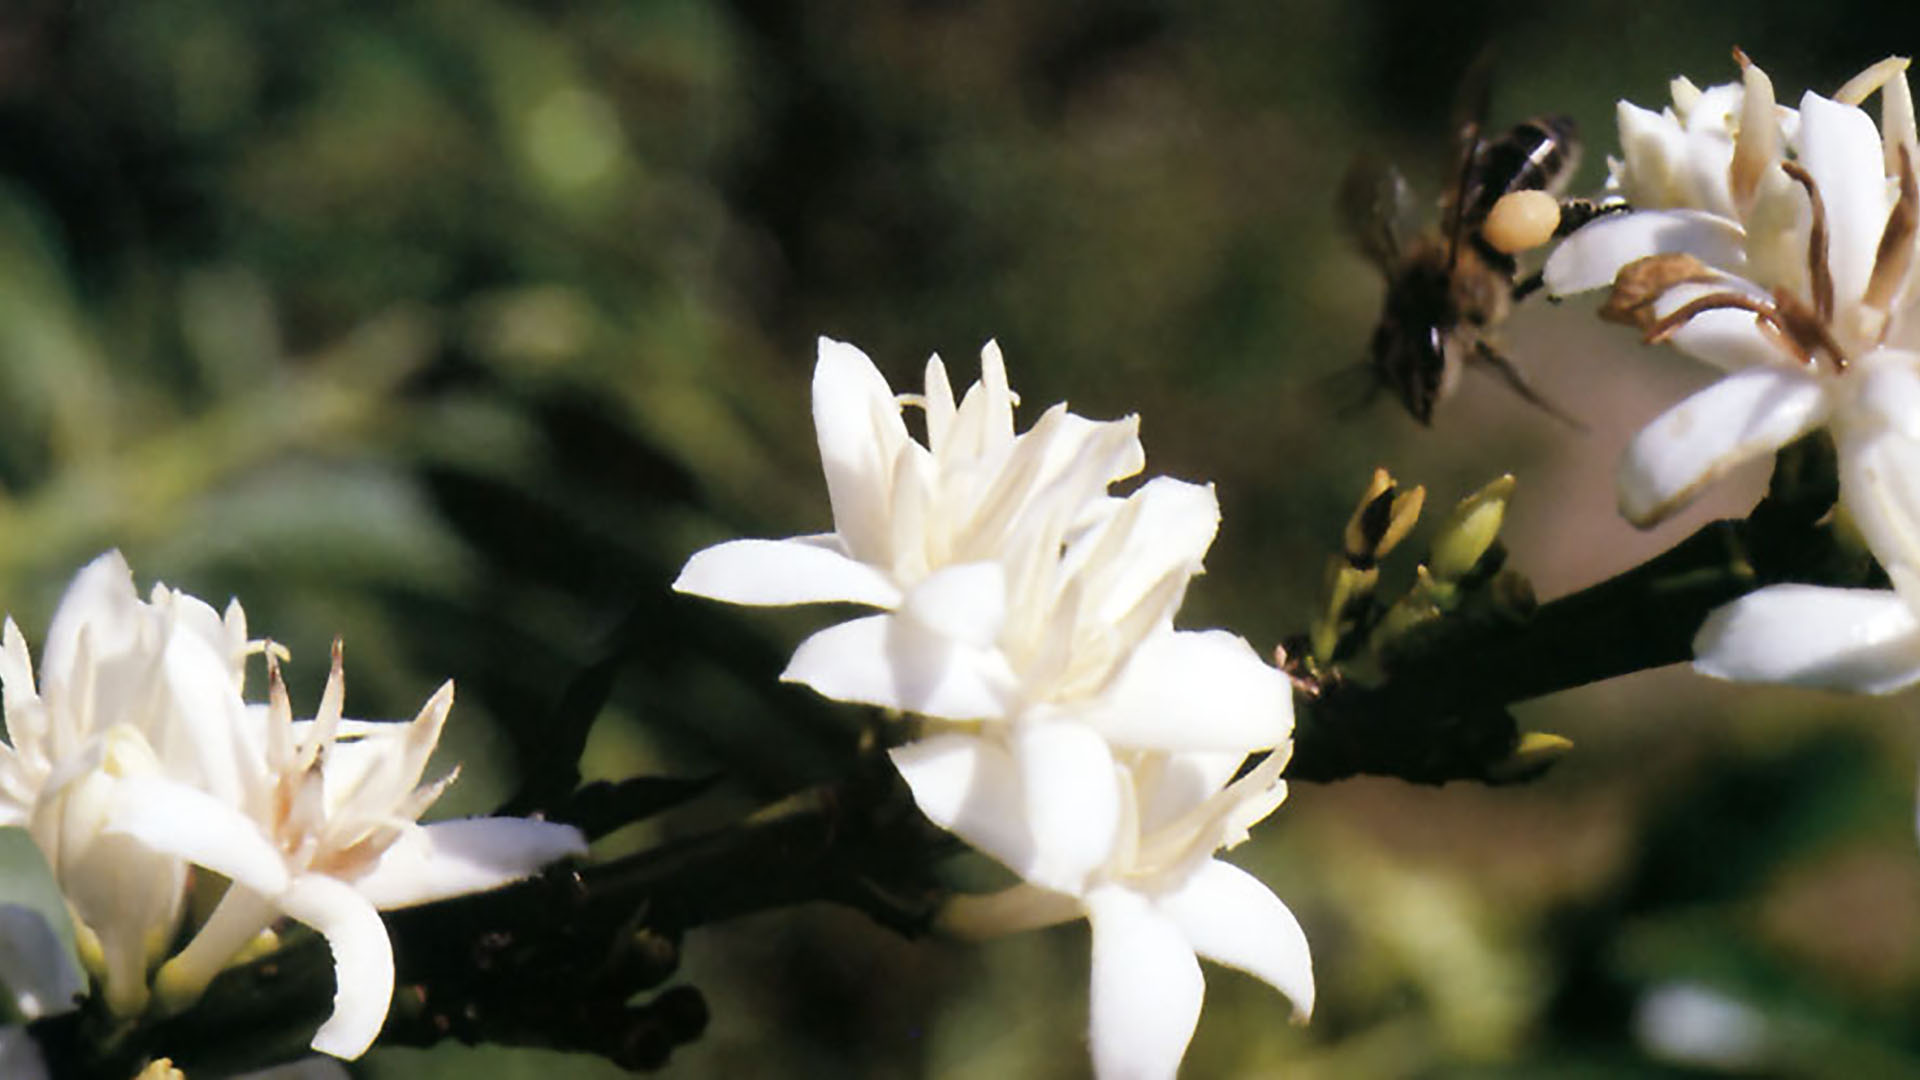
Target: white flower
(1158, 899)
(333, 841)
(1017, 593)
(128, 689)
(137, 757)
(1804, 292)
(1071, 732)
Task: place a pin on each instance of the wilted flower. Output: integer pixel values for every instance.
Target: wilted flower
(138, 757)
(1157, 901)
(1804, 291)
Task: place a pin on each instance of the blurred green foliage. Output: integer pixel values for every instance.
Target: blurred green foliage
(452, 326)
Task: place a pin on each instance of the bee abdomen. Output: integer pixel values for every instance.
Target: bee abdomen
(1542, 152)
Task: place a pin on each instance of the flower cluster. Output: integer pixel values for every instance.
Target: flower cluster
(1062, 724)
(134, 759)
(1779, 245)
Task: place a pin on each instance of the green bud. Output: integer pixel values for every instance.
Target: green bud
(1382, 519)
(1370, 519)
(1349, 592)
(1400, 521)
(1470, 530)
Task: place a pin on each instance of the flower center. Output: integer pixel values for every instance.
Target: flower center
(1807, 330)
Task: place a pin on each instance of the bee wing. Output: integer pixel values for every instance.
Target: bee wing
(1348, 391)
(1471, 102)
(1376, 209)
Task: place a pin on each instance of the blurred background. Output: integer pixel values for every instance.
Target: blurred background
(453, 327)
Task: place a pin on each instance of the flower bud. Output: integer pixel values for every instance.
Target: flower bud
(1470, 530)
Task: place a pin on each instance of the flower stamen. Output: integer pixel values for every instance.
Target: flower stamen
(1819, 274)
(1895, 255)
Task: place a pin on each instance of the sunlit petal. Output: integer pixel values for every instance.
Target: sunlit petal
(1858, 640)
(1196, 690)
(897, 663)
(1590, 258)
(1231, 918)
(362, 961)
(469, 855)
(1072, 799)
(1743, 416)
(1146, 991)
(783, 572)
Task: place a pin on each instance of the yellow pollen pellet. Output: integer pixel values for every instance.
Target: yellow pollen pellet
(1521, 220)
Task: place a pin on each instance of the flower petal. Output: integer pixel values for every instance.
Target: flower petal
(1010, 911)
(176, 820)
(898, 663)
(1232, 918)
(454, 858)
(965, 603)
(1146, 991)
(36, 968)
(1195, 690)
(969, 786)
(1859, 640)
(20, 1057)
(362, 961)
(857, 421)
(1840, 148)
(1742, 416)
(1590, 258)
(800, 570)
(1072, 799)
(1880, 468)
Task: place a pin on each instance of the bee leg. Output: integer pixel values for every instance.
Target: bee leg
(1486, 356)
(1577, 212)
(1573, 214)
(1527, 286)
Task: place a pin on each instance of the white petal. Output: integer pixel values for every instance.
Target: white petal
(362, 961)
(1164, 527)
(1889, 390)
(208, 730)
(101, 598)
(20, 1057)
(969, 786)
(965, 603)
(1860, 640)
(858, 424)
(1654, 148)
(454, 858)
(35, 967)
(1741, 417)
(1728, 338)
(1010, 911)
(176, 820)
(1146, 991)
(1195, 690)
(1590, 258)
(1072, 798)
(899, 664)
(1231, 918)
(795, 571)
(1840, 148)
(1880, 469)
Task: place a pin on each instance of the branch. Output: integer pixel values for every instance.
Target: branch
(1440, 714)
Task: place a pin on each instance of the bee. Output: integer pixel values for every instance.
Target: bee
(1450, 287)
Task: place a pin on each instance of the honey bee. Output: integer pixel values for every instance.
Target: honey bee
(1450, 287)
